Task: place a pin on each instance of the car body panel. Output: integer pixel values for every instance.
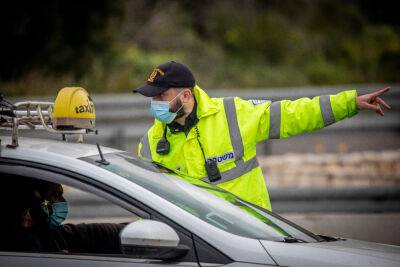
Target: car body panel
(242, 250)
(237, 248)
(334, 253)
(68, 260)
(68, 149)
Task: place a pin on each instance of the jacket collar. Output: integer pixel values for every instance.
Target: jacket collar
(205, 105)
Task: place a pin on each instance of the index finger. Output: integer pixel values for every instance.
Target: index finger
(381, 91)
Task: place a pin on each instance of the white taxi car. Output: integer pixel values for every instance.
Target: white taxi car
(169, 220)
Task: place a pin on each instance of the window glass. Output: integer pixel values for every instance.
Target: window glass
(42, 216)
(88, 208)
(216, 207)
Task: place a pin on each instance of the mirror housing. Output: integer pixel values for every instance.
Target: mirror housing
(151, 239)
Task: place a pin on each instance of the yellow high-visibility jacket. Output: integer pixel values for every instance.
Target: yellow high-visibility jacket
(229, 129)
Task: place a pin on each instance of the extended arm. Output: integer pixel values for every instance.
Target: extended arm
(289, 118)
(93, 237)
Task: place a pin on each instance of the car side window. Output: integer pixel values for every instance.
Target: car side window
(47, 217)
(92, 219)
(85, 207)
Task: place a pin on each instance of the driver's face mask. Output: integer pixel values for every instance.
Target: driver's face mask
(160, 110)
(58, 213)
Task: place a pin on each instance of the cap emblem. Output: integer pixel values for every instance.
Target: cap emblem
(154, 73)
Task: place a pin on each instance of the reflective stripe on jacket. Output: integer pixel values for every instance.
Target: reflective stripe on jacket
(229, 130)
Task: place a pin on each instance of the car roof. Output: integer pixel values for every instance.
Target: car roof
(64, 148)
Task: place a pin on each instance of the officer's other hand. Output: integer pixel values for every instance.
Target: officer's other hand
(373, 101)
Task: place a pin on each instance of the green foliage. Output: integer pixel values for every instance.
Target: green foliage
(55, 37)
(227, 44)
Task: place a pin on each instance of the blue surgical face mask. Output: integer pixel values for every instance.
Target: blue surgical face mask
(160, 110)
(60, 213)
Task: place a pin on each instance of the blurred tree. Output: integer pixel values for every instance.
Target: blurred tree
(55, 36)
(111, 45)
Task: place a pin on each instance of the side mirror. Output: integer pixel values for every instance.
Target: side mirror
(151, 239)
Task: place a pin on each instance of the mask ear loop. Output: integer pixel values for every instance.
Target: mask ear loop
(163, 144)
(173, 100)
(175, 97)
(179, 109)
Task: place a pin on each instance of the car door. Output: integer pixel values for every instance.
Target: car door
(44, 260)
(15, 169)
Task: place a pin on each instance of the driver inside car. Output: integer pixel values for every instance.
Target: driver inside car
(39, 225)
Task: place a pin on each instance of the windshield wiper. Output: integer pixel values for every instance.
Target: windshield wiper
(327, 238)
(291, 239)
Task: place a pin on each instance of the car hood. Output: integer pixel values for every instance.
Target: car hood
(334, 253)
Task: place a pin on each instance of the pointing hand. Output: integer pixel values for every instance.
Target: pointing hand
(373, 101)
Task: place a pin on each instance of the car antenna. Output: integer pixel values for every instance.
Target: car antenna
(102, 159)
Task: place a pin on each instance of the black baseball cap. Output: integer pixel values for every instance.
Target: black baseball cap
(168, 75)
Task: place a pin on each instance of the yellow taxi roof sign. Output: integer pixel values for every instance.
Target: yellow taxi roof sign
(73, 109)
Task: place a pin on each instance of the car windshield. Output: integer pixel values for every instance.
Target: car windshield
(207, 202)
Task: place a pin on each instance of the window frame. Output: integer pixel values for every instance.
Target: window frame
(90, 185)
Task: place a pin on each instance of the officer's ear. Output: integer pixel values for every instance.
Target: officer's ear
(187, 94)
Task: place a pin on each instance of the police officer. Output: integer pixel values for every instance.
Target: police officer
(214, 139)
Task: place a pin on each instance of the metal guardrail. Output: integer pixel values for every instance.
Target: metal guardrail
(122, 119)
(359, 200)
(125, 118)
